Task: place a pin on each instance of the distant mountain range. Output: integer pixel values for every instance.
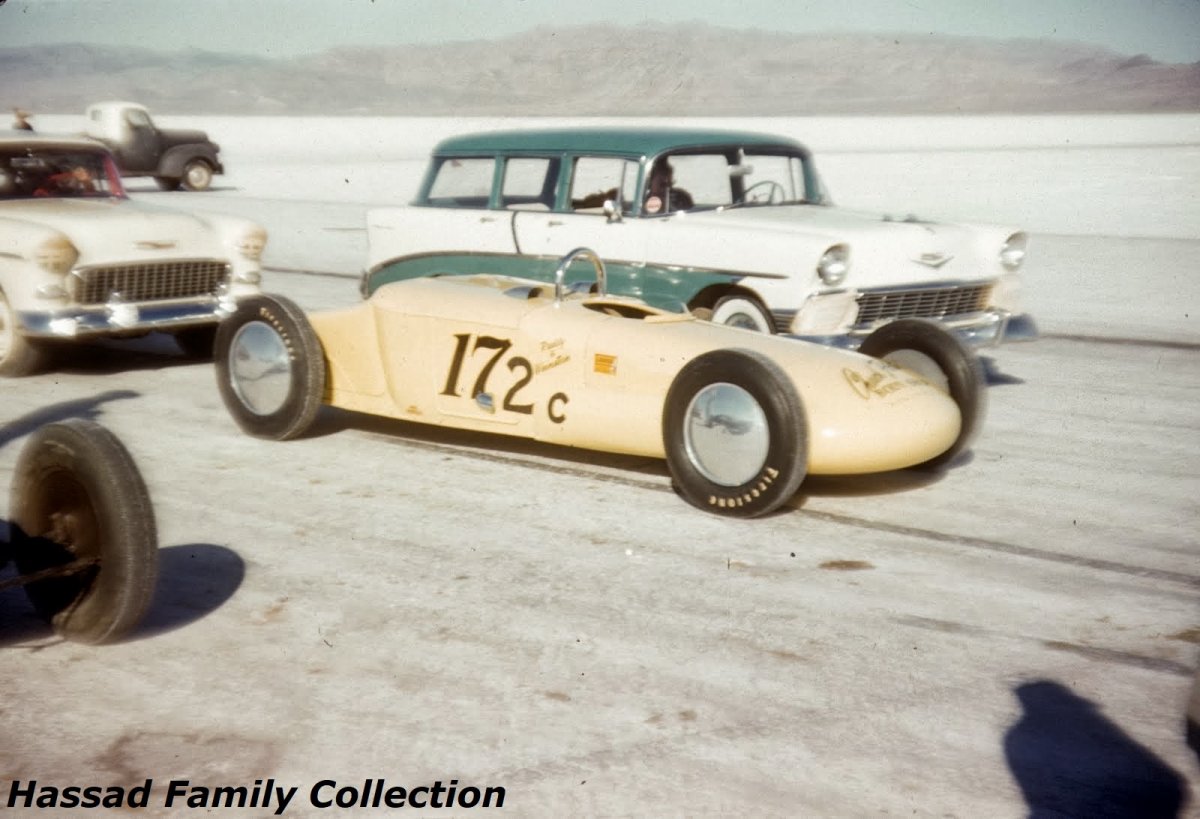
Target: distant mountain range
(649, 70)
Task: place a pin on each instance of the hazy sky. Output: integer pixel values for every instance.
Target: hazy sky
(1167, 30)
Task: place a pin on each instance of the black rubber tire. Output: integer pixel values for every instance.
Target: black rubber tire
(197, 342)
(786, 462)
(959, 366)
(167, 183)
(19, 355)
(743, 311)
(305, 368)
(76, 494)
(197, 175)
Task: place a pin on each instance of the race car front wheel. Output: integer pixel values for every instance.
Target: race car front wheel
(937, 356)
(270, 368)
(735, 434)
(83, 522)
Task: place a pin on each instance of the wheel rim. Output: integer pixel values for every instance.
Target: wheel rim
(67, 529)
(921, 364)
(260, 368)
(743, 320)
(726, 435)
(198, 176)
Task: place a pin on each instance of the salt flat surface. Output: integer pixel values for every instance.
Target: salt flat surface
(384, 600)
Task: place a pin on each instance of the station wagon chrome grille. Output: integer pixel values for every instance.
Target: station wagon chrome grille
(148, 281)
(923, 302)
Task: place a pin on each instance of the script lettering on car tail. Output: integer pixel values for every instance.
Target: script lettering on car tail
(881, 381)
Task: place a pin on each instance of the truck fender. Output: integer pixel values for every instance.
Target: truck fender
(175, 158)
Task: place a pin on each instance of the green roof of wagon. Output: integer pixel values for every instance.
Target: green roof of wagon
(624, 141)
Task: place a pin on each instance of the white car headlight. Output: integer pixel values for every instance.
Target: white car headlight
(250, 244)
(56, 254)
(1012, 254)
(834, 265)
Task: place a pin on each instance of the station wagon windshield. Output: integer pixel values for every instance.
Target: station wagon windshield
(56, 173)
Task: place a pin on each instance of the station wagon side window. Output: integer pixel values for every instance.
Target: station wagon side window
(773, 179)
(597, 178)
(704, 176)
(462, 182)
(529, 183)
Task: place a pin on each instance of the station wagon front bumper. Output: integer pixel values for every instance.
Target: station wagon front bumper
(984, 329)
(119, 317)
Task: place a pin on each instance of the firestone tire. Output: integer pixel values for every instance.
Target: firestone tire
(939, 357)
(197, 175)
(19, 355)
(77, 495)
(270, 368)
(735, 434)
(744, 312)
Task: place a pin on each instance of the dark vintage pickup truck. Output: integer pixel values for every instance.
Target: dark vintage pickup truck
(173, 157)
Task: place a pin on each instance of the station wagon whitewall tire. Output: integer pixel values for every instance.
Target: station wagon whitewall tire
(941, 359)
(743, 311)
(18, 355)
(77, 496)
(735, 434)
(270, 368)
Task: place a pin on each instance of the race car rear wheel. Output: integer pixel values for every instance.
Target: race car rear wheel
(936, 355)
(744, 312)
(270, 368)
(735, 434)
(81, 512)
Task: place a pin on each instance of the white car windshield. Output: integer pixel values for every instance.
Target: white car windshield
(28, 172)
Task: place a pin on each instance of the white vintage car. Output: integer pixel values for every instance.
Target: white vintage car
(740, 417)
(734, 226)
(79, 259)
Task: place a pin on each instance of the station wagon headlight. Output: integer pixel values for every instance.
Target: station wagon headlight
(56, 255)
(251, 243)
(1012, 254)
(834, 265)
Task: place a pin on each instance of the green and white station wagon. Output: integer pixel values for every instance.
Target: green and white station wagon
(731, 225)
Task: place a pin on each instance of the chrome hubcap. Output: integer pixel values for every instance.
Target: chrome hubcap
(260, 369)
(726, 435)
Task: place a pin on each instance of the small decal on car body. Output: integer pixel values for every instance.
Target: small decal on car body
(605, 364)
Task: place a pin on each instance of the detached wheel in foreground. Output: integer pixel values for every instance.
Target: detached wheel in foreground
(82, 517)
(270, 368)
(936, 355)
(735, 434)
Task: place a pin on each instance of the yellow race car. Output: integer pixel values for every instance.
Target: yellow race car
(740, 417)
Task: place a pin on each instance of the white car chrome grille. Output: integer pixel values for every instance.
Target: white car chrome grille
(922, 302)
(148, 281)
